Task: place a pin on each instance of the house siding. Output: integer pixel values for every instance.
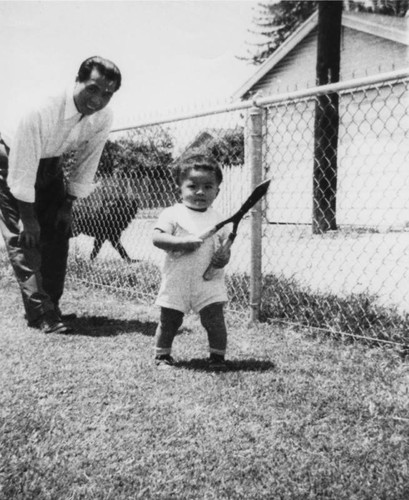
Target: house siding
(296, 70)
(373, 177)
(362, 54)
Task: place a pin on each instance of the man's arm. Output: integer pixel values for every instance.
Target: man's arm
(81, 179)
(30, 235)
(25, 155)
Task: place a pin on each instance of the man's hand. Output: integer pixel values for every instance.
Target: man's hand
(30, 235)
(63, 219)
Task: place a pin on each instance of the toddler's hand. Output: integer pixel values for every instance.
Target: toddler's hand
(189, 243)
(221, 257)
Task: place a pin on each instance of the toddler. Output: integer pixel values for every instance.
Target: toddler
(183, 288)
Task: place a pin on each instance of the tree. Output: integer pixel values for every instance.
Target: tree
(135, 165)
(225, 145)
(229, 148)
(141, 153)
(276, 20)
(398, 8)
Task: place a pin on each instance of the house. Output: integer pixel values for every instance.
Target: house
(373, 150)
(370, 44)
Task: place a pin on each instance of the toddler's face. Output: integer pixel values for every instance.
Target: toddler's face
(199, 189)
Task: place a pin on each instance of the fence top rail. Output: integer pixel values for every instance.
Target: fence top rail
(276, 99)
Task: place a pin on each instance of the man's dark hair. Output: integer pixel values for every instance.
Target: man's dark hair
(106, 67)
(196, 159)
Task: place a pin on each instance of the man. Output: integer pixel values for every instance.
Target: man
(35, 202)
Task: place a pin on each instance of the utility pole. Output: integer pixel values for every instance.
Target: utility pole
(326, 118)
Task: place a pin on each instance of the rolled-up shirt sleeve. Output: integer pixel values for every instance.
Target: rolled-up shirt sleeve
(25, 154)
(81, 180)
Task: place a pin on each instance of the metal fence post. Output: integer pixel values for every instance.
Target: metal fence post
(255, 160)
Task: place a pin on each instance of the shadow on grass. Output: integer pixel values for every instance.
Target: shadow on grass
(245, 365)
(358, 315)
(102, 326)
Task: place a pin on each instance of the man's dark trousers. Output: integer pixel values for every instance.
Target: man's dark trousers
(40, 271)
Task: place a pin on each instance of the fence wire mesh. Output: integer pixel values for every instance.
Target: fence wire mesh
(335, 220)
(353, 279)
(113, 227)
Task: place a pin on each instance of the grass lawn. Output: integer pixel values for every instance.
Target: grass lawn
(296, 416)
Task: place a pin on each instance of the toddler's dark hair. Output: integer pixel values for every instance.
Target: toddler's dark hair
(196, 158)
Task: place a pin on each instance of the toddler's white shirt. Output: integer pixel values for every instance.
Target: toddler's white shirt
(183, 287)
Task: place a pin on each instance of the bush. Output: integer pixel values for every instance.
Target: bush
(137, 164)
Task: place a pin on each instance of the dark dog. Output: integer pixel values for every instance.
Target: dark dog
(106, 222)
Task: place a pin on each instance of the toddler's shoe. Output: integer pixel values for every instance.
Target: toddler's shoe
(217, 362)
(164, 361)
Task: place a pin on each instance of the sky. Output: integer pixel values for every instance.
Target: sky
(174, 55)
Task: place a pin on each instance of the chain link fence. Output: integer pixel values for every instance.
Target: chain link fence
(326, 248)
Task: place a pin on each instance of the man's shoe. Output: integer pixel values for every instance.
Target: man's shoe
(69, 317)
(50, 322)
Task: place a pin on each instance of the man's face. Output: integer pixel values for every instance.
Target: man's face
(93, 94)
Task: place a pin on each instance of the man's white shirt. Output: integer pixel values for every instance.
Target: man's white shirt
(49, 130)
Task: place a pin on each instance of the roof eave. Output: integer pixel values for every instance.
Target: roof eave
(291, 42)
(348, 20)
(366, 26)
